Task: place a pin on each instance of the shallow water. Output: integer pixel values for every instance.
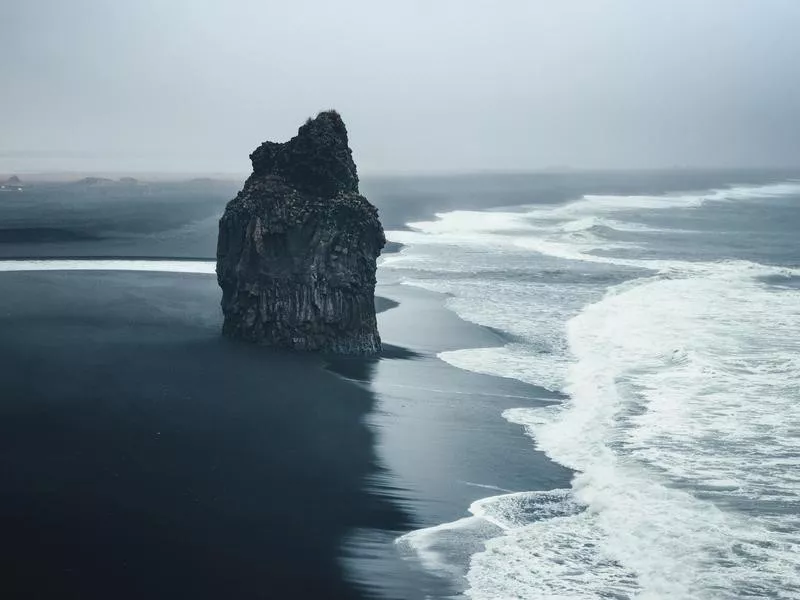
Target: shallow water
(672, 323)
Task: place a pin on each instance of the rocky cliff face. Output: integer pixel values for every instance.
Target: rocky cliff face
(297, 247)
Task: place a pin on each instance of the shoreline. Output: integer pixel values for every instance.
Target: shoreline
(441, 440)
(411, 404)
(143, 454)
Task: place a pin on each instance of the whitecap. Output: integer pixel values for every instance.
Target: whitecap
(682, 421)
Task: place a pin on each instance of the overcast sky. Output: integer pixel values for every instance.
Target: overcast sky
(446, 85)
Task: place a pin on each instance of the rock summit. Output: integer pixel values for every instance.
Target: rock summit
(297, 247)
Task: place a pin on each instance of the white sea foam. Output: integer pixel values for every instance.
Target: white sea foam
(678, 387)
(515, 361)
(599, 223)
(614, 204)
(682, 421)
(449, 548)
(166, 266)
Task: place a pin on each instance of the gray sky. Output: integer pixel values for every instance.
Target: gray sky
(446, 85)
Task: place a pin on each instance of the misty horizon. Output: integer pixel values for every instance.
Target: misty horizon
(455, 87)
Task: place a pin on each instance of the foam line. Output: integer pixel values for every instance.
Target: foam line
(681, 376)
(156, 266)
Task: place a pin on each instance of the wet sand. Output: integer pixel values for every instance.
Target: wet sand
(441, 441)
(142, 455)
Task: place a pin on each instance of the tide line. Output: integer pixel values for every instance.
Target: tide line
(162, 266)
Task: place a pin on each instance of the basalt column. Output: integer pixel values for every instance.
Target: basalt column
(297, 247)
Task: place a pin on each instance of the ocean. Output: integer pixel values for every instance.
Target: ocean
(669, 324)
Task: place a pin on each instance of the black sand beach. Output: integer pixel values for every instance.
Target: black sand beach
(142, 455)
(399, 301)
(440, 439)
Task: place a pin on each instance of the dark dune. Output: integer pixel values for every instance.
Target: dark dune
(143, 456)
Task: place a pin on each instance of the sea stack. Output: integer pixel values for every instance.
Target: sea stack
(297, 247)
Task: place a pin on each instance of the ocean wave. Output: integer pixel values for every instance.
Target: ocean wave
(555, 228)
(676, 390)
(604, 225)
(681, 420)
(449, 548)
(646, 413)
(620, 204)
(514, 362)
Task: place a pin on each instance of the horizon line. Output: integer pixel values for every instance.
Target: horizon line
(59, 175)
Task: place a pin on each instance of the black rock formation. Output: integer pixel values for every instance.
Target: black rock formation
(297, 247)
